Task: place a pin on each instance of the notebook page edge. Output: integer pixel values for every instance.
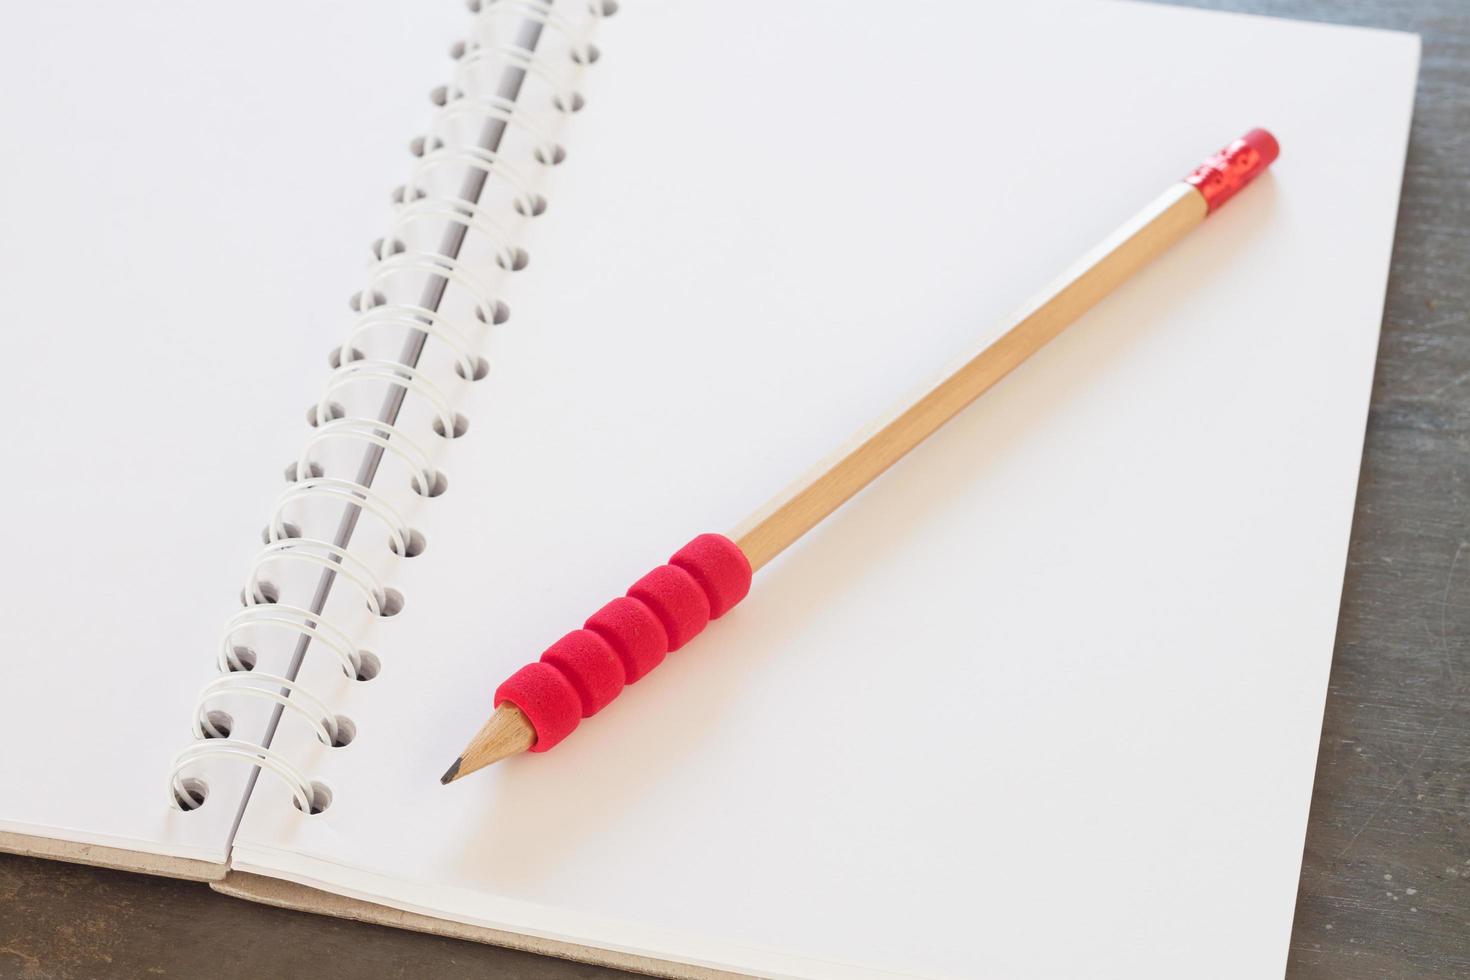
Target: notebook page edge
(314, 878)
(1410, 82)
(289, 894)
(103, 852)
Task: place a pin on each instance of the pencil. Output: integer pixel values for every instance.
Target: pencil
(543, 702)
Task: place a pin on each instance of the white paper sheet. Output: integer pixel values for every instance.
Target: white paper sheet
(188, 193)
(1045, 700)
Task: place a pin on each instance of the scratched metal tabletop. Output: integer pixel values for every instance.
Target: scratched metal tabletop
(1385, 887)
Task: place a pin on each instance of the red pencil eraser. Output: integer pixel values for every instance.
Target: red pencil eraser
(1222, 175)
(1263, 143)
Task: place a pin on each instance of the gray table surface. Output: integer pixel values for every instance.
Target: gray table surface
(1385, 887)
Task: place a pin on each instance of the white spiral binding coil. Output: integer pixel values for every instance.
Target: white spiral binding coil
(435, 154)
(346, 491)
(389, 437)
(541, 13)
(302, 622)
(471, 216)
(297, 699)
(469, 102)
(392, 372)
(461, 105)
(323, 554)
(412, 317)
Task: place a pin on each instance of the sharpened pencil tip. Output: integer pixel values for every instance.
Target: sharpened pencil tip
(507, 732)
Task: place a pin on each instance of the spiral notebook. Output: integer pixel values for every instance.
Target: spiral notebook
(345, 375)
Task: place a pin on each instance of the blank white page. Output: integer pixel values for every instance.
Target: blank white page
(189, 192)
(1044, 701)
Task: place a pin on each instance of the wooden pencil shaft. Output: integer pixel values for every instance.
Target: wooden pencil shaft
(797, 509)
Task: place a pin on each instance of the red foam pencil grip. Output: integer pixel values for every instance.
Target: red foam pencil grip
(581, 673)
